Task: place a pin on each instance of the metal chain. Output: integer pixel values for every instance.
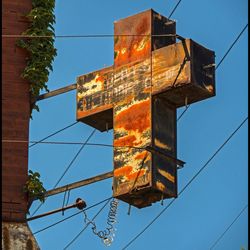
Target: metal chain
(107, 235)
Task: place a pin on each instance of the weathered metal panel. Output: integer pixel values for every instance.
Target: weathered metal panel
(132, 129)
(183, 82)
(166, 64)
(203, 67)
(94, 98)
(164, 139)
(132, 40)
(162, 26)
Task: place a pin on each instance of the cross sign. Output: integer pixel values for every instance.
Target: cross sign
(151, 77)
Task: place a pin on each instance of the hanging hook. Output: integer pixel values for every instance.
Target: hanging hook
(64, 202)
(162, 198)
(129, 209)
(186, 101)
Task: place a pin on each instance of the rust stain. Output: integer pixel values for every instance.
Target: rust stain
(147, 90)
(100, 79)
(160, 185)
(125, 141)
(166, 175)
(123, 171)
(141, 156)
(135, 175)
(132, 48)
(136, 117)
(127, 172)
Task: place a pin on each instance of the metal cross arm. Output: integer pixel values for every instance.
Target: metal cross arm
(80, 204)
(138, 96)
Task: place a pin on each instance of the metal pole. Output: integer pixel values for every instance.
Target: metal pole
(79, 184)
(55, 92)
(80, 204)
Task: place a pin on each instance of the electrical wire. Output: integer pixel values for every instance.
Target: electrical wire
(60, 221)
(189, 182)
(75, 238)
(235, 41)
(73, 143)
(235, 219)
(72, 161)
(68, 167)
(174, 9)
(58, 131)
(88, 36)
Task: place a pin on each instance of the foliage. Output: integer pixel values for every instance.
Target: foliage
(34, 187)
(40, 49)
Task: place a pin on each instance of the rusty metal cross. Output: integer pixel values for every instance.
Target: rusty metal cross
(151, 77)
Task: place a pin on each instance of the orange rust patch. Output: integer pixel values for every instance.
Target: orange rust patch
(125, 141)
(123, 171)
(100, 79)
(141, 156)
(147, 90)
(136, 175)
(126, 172)
(136, 117)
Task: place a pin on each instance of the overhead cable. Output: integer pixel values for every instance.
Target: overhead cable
(189, 182)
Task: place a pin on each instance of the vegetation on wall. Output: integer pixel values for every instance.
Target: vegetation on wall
(41, 48)
(34, 187)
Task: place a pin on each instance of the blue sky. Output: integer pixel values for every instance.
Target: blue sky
(201, 214)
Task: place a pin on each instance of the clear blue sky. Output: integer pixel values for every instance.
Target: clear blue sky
(198, 217)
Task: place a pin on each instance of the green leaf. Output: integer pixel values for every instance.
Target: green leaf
(41, 50)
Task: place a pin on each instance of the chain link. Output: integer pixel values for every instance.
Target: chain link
(107, 235)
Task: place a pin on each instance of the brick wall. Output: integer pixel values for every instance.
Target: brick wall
(15, 112)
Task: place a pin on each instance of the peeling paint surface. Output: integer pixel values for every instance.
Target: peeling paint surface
(138, 97)
(94, 91)
(137, 45)
(132, 128)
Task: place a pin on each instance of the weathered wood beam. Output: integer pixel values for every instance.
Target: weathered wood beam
(55, 92)
(79, 184)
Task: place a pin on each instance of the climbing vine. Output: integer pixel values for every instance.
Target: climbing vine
(34, 187)
(40, 49)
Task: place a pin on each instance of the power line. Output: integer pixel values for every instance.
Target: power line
(75, 238)
(174, 9)
(189, 182)
(72, 161)
(68, 167)
(89, 36)
(58, 131)
(235, 41)
(60, 221)
(221, 236)
(72, 143)
(94, 35)
(220, 62)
